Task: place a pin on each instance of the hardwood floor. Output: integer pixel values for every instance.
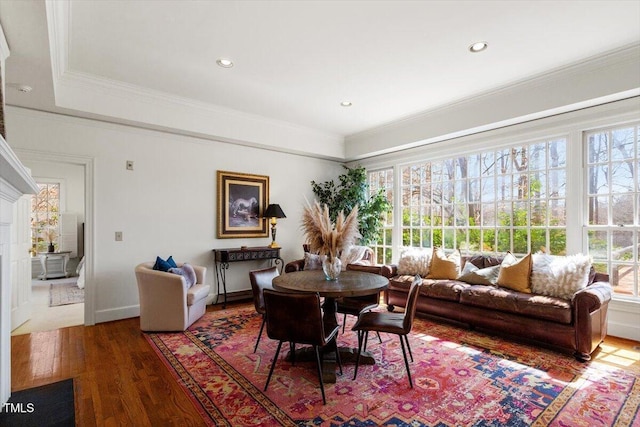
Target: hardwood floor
(119, 380)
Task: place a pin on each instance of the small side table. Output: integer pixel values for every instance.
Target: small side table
(222, 258)
(46, 256)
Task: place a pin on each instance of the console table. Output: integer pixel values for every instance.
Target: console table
(45, 256)
(223, 257)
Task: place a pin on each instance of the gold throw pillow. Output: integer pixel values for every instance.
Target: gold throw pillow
(444, 267)
(514, 274)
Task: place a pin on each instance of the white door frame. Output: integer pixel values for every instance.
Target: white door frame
(89, 215)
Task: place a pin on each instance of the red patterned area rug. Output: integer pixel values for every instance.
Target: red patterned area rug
(461, 378)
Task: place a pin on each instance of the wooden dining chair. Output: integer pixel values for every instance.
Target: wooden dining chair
(297, 318)
(261, 280)
(394, 323)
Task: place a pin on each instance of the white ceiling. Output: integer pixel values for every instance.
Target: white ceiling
(295, 61)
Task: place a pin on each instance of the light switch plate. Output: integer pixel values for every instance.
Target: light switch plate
(118, 236)
(129, 165)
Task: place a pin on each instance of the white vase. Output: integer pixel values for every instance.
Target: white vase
(331, 268)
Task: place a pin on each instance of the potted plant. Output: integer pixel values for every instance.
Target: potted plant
(352, 190)
(50, 235)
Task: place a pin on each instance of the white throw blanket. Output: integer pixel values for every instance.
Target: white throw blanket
(352, 255)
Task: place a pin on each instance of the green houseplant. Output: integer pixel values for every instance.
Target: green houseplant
(352, 189)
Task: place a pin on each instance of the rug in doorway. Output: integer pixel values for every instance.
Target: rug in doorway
(65, 293)
(461, 378)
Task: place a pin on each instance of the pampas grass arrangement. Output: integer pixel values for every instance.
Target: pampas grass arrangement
(327, 238)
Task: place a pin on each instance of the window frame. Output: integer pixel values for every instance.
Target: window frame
(571, 124)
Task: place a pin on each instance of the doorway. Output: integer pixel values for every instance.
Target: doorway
(55, 297)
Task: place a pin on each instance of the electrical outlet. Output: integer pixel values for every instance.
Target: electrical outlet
(118, 236)
(129, 165)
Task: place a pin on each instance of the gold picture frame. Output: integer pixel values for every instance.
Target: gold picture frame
(242, 199)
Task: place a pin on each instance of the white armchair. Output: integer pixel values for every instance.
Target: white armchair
(166, 304)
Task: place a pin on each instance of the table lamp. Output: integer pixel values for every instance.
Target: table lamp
(274, 212)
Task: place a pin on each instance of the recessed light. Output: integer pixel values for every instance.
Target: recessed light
(478, 47)
(346, 103)
(224, 62)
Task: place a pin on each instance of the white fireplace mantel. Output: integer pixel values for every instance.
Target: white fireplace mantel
(15, 180)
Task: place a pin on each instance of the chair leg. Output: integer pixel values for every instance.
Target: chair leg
(361, 338)
(406, 362)
(319, 364)
(406, 339)
(273, 364)
(379, 339)
(335, 345)
(344, 322)
(292, 352)
(264, 320)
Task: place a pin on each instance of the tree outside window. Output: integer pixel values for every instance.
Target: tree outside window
(45, 216)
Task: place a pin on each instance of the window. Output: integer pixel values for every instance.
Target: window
(45, 216)
(613, 200)
(510, 199)
(382, 247)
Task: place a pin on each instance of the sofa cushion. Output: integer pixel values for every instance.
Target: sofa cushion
(444, 267)
(439, 289)
(515, 274)
(479, 276)
(196, 293)
(510, 301)
(415, 261)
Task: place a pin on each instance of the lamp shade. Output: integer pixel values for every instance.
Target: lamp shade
(274, 211)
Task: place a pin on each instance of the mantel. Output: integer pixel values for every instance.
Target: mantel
(15, 178)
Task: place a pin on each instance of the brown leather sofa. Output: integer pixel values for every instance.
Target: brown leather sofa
(578, 325)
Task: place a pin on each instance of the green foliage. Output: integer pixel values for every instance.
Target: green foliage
(352, 189)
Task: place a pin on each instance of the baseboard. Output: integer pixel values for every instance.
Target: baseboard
(117, 313)
(234, 296)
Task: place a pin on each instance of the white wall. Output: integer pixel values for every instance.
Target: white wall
(167, 204)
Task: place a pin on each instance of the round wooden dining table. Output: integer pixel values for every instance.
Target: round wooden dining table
(349, 284)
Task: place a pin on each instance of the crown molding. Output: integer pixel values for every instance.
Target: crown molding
(605, 78)
(126, 103)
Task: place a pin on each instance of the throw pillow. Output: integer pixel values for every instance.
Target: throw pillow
(560, 277)
(479, 276)
(514, 274)
(444, 267)
(415, 261)
(163, 265)
(312, 261)
(187, 272)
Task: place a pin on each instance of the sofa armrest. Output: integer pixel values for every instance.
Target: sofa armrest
(381, 269)
(593, 296)
(590, 306)
(297, 265)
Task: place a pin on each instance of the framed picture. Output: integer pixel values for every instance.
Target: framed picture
(242, 199)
